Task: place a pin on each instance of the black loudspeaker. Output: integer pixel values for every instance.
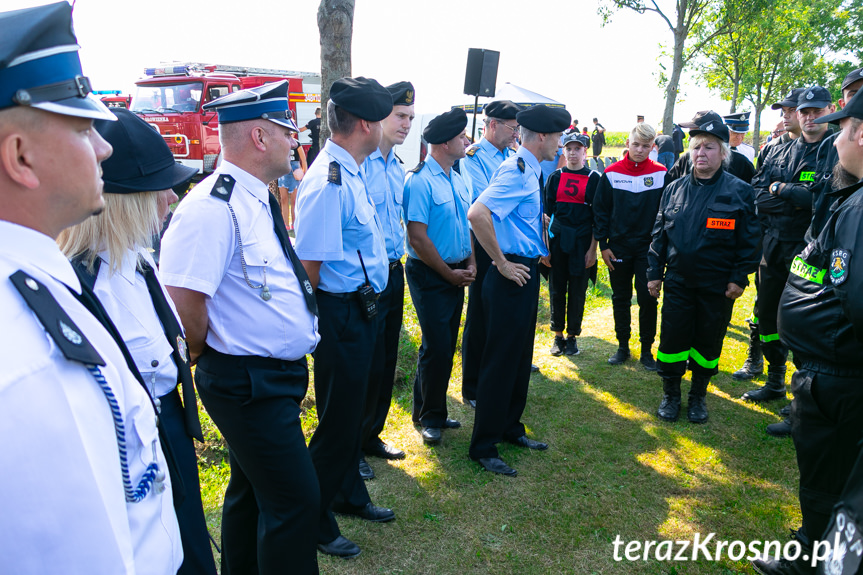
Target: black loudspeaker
(481, 74)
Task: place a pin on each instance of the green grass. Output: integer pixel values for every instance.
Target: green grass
(612, 469)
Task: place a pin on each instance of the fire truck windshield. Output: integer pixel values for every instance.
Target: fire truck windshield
(168, 98)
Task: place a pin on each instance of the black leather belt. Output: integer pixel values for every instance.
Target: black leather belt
(350, 296)
(458, 265)
(521, 259)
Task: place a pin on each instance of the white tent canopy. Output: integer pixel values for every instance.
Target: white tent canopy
(517, 94)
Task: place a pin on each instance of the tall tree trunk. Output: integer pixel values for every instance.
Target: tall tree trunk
(336, 26)
(680, 34)
(756, 135)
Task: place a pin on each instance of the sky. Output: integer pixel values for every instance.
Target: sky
(556, 48)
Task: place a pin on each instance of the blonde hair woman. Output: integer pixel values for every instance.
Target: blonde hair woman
(113, 249)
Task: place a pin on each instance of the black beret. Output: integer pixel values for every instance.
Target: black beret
(543, 119)
(445, 127)
(363, 97)
(502, 110)
(403, 93)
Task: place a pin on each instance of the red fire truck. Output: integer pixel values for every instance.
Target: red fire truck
(114, 98)
(170, 98)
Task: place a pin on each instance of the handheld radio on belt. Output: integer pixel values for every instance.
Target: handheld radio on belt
(366, 293)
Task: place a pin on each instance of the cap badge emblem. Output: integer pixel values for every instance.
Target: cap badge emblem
(409, 97)
(810, 95)
(708, 127)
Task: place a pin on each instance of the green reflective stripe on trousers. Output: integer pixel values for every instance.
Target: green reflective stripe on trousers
(769, 337)
(800, 268)
(672, 357)
(699, 359)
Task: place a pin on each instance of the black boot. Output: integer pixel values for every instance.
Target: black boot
(669, 409)
(781, 566)
(697, 408)
(754, 364)
(774, 388)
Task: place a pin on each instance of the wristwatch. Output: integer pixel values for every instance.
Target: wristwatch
(774, 188)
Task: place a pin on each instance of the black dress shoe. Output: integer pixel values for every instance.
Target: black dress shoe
(525, 441)
(451, 424)
(384, 451)
(341, 546)
(496, 465)
(431, 435)
(366, 471)
(470, 402)
(369, 512)
(534, 368)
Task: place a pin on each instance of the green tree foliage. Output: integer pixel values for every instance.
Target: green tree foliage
(775, 45)
(682, 17)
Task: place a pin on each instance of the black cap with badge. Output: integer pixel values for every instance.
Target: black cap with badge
(710, 126)
(142, 161)
(445, 127)
(363, 97)
(701, 117)
(790, 101)
(814, 97)
(853, 109)
(853, 76)
(544, 119)
(39, 64)
(575, 137)
(266, 102)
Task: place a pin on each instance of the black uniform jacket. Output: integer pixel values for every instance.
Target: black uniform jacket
(789, 213)
(821, 310)
(706, 233)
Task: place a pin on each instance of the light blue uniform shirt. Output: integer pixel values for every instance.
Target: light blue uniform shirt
(385, 180)
(514, 199)
(441, 203)
(334, 221)
(478, 168)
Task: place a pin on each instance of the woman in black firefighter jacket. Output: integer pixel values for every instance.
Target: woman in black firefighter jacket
(706, 242)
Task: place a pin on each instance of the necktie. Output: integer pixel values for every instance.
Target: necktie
(299, 270)
(543, 233)
(179, 352)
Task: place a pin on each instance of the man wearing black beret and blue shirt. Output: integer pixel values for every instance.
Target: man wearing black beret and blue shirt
(480, 162)
(385, 180)
(508, 221)
(226, 258)
(85, 487)
(439, 266)
(341, 244)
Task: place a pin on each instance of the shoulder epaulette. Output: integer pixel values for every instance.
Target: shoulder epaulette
(416, 169)
(334, 176)
(223, 188)
(397, 158)
(520, 163)
(472, 150)
(58, 324)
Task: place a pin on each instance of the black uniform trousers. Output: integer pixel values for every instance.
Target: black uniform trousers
(827, 427)
(197, 553)
(391, 305)
(510, 322)
(343, 361)
(566, 291)
(621, 280)
(694, 322)
(271, 509)
(438, 304)
(473, 335)
(772, 274)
